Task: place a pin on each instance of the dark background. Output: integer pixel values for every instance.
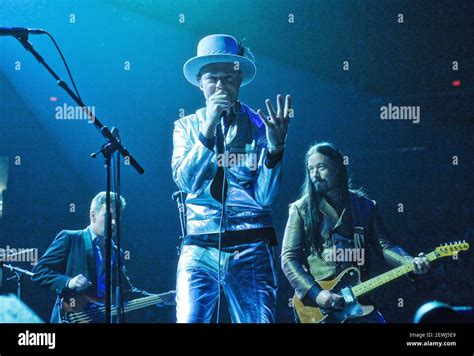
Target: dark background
(407, 63)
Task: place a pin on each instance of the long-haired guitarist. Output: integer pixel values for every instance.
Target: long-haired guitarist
(75, 262)
(333, 227)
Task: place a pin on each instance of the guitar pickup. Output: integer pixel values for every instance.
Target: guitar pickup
(347, 295)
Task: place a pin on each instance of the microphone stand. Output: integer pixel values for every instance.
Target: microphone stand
(179, 198)
(19, 273)
(118, 210)
(112, 145)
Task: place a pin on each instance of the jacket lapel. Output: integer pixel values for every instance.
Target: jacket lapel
(91, 267)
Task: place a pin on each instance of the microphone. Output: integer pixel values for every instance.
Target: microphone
(223, 116)
(176, 195)
(20, 31)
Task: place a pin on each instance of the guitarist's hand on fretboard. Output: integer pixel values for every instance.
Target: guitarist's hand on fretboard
(421, 264)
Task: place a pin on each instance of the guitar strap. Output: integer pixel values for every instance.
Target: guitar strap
(358, 224)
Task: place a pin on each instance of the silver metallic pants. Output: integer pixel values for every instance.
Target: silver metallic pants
(248, 280)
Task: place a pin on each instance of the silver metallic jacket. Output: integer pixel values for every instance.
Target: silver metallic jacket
(252, 186)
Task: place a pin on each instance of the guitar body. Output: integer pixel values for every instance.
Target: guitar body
(340, 285)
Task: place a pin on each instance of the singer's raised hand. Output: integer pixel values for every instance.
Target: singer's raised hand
(277, 123)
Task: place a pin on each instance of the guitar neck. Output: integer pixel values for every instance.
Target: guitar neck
(139, 303)
(387, 277)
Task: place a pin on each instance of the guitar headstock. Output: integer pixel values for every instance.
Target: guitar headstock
(451, 249)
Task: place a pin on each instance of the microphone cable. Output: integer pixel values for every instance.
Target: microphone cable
(224, 167)
(64, 62)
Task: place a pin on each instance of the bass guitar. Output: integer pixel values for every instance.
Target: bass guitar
(79, 308)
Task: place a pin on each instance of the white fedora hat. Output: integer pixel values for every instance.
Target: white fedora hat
(218, 49)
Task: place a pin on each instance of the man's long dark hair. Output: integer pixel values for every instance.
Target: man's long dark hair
(312, 198)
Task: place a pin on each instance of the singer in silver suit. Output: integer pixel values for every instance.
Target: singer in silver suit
(228, 159)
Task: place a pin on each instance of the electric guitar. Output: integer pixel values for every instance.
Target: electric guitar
(79, 308)
(350, 287)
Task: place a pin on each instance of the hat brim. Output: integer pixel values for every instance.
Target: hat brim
(192, 67)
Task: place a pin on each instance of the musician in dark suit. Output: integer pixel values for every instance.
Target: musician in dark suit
(75, 261)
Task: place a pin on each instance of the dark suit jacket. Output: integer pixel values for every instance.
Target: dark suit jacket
(70, 254)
